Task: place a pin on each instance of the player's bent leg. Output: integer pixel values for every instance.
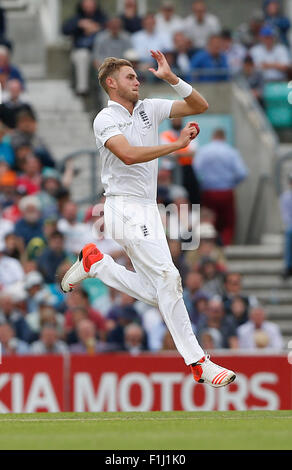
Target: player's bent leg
(92, 263)
(206, 371)
(117, 276)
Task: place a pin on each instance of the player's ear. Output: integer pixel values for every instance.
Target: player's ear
(111, 82)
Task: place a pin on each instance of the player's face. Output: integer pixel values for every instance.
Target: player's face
(128, 84)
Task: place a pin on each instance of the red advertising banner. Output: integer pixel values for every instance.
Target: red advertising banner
(144, 383)
(120, 382)
(31, 383)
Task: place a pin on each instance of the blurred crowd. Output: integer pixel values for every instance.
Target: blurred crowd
(197, 46)
(42, 229)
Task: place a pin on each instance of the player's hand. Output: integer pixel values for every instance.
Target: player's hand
(163, 70)
(188, 133)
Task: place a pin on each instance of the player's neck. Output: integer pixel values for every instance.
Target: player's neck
(129, 105)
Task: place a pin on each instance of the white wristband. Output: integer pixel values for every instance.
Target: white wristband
(182, 88)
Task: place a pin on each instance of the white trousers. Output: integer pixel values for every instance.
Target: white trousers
(137, 227)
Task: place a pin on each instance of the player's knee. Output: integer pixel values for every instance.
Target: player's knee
(171, 280)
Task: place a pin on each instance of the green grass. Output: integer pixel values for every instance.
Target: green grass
(153, 430)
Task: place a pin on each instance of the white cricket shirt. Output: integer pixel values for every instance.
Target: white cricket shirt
(140, 129)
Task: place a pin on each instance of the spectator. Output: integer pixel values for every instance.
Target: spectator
(167, 21)
(7, 70)
(8, 183)
(271, 58)
(49, 342)
(234, 51)
(75, 233)
(194, 288)
(6, 150)
(50, 188)
(210, 64)
(150, 39)
(286, 211)
(184, 157)
(183, 51)
(233, 291)
(14, 246)
(154, 328)
(211, 339)
(258, 333)
(215, 318)
(248, 33)
(220, 168)
(9, 314)
(45, 315)
(26, 134)
(13, 103)
(122, 314)
(36, 290)
(83, 27)
(80, 298)
(10, 345)
(134, 339)
(87, 341)
(10, 269)
(131, 20)
(30, 225)
(12, 212)
(212, 277)
(31, 177)
(254, 78)
(207, 248)
(52, 257)
(200, 25)
(277, 20)
(113, 42)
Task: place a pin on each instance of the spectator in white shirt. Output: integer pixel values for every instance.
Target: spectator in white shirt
(10, 269)
(167, 21)
(76, 233)
(258, 333)
(234, 51)
(270, 57)
(49, 342)
(200, 24)
(150, 39)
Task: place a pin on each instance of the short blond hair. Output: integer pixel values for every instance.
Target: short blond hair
(109, 66)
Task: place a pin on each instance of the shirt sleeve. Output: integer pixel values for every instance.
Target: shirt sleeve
(161, 109)
(104, 127)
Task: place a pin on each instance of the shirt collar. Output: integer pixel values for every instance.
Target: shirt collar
(115, 103)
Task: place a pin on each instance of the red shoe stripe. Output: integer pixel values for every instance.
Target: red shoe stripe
(222, 377)
(218, 376)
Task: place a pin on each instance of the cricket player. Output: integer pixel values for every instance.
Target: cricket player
(126, 133)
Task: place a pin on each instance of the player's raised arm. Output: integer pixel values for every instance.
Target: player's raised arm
(130, 154)
(193, 103)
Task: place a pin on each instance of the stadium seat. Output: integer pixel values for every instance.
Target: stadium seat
(278, 109)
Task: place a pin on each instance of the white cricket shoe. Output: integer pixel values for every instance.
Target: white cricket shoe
(205, 371)
(89, 255)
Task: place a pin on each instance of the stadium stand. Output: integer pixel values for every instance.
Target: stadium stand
(96, 318)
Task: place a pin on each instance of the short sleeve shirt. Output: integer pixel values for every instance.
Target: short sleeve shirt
(140, 129)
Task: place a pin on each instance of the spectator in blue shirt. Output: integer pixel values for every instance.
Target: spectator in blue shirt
(210, 64)
(52, 257)
(30, 225)
(277, 20)
(220, 169)
(286, 211)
